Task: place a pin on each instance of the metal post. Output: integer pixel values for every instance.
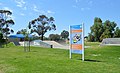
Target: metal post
(70, 43)
(83, 42)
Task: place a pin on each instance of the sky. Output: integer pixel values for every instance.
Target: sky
(65, 12)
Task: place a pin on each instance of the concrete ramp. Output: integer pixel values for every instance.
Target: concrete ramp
(111, 41)
(56, 45)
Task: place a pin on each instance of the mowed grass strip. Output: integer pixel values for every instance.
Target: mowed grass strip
(99, 59)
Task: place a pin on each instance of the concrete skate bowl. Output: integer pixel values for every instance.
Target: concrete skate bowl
(57, 45)
(47, 44)
(40, 43)
(111, 41)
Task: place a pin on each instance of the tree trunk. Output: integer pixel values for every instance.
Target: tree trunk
(29, 44)
(24, 45)
(6, 40)
(42, 37)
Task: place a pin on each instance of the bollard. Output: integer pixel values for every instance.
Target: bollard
(51, 46)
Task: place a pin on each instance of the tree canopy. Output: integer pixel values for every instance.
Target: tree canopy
(41, 25)
(100, 30)
(23, 31)
(64, 34)
(117, 33)
(6, 22)
(54, 37)
(97, 29)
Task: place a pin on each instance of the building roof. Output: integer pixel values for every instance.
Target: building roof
(19, 36)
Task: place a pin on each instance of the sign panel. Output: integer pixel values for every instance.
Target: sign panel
(77, 40)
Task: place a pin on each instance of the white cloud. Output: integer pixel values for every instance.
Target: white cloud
(50, 12)
(77, 1)
(87, 4)
(82, 9)
(74, 6)
(35, 8)
(90, 2)
(22, 14)
(6, 8)
(86, 8)
(25, 8)
(20, 3)
(41, 11)
(11, 16)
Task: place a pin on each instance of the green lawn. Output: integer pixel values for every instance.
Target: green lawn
(92, 43)
(44, 60)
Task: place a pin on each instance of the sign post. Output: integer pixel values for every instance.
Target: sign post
(77, 40)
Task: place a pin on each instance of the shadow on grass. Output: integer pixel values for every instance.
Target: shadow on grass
(34, 51)
(88, 60)
(1, 45)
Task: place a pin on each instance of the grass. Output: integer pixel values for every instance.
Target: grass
(92, 43)
(45, 60)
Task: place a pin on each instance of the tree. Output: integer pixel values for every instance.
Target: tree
(45, 38)
(102, 30)
(51, 36)
(117, 33)
(109, 28)
(23, 31)
(97, 29)
(90, 37)
(41, 25)
(26, 38)
(6, 22)
(1, 39)
(64, 34)
(106, 34)
(54, 37)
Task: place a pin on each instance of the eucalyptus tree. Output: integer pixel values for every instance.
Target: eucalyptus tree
(64, 34)
(41, 25)
(6, 22)
(97, 29)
